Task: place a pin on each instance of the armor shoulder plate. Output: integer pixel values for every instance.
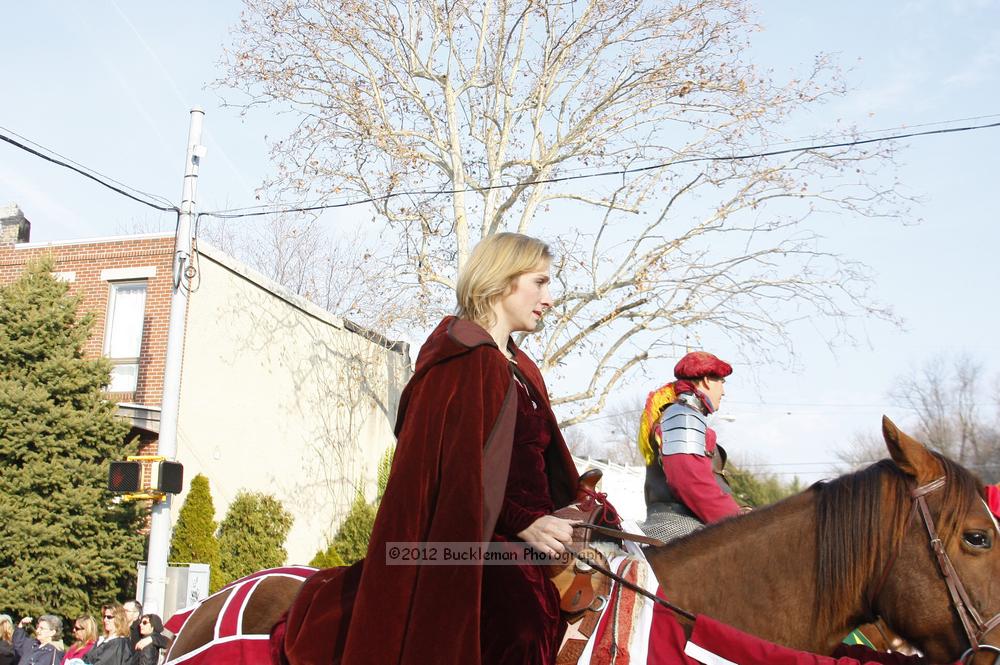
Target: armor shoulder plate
(683, 431)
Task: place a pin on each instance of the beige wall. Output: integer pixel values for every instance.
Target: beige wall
(278, 397)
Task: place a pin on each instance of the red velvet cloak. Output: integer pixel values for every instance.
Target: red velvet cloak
(455, 429)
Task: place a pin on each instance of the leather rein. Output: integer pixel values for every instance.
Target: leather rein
(972, 622)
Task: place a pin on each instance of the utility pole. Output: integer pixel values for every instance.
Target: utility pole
(154, 591)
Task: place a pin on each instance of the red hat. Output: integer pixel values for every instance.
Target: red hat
(699, 364)
(993, 499)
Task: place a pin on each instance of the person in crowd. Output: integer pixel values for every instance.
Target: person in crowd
(7, 655)
(46, 648)
(686, 486)
(84, 639)
(152, 640)
(133, 610)
(479, 459)
(113, 646)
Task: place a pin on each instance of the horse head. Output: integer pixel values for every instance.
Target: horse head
(940, 582)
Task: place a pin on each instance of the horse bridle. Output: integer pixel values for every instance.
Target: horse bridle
(972, 622)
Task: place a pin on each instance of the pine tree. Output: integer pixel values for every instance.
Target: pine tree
(758, 490)
(67, 545)
(252, 536)
(194, 538)
(351, 541)
(328, 558)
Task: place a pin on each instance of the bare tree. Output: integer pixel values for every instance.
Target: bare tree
(580, 442)
(953, 413)
(949, 399)
(462, 119)
(340, 273)
(865, 448)
(621, 430)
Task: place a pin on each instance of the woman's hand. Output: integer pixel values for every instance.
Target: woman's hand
(548, 534)
(143, 643)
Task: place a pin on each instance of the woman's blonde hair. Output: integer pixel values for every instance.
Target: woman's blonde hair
(89, 630)
(6, 628)
(121, 623)
(491, 269)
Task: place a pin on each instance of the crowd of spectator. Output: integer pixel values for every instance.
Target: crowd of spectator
(125, 636)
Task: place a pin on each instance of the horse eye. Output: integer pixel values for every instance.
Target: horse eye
(977, 539)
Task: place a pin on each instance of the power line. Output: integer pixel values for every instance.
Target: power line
(156, 197)
(99, 180)
(831, 408)
(827, 136)
(770, 464)
(896, 128)
(232, 214)
(794, 408)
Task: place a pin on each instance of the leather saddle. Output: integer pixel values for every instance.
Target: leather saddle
(574, 578)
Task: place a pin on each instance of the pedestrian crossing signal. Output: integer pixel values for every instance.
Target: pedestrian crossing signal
(171, 478)
(125, 477)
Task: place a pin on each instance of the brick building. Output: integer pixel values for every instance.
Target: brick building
(277, 395)
(125, 283)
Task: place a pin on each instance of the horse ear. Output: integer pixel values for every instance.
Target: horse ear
(911, 456)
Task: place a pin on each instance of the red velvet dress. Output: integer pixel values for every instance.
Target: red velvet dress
(520, 621)
(455, 432)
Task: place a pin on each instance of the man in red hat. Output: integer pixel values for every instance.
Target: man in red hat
(685, 484)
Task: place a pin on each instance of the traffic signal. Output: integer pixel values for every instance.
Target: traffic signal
(171, 478)
(165, 477)
(125, 477)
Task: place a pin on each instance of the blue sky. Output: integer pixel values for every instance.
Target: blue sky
(110, 84)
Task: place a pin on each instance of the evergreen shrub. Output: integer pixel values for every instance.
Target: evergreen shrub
(252, 536)
(194, 538)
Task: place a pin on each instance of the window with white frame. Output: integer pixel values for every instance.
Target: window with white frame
(123, 336)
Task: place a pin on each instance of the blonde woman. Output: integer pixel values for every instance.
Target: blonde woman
(84, 639)
(479, 459)
(113, 646)
(7, 656)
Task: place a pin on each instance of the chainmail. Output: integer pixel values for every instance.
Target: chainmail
(667, 526)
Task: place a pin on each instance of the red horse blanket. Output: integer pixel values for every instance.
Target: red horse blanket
(230, 644)
(630, 631)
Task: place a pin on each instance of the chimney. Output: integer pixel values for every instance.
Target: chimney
(14, 228)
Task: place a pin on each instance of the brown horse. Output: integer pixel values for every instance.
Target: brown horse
(807, 570)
